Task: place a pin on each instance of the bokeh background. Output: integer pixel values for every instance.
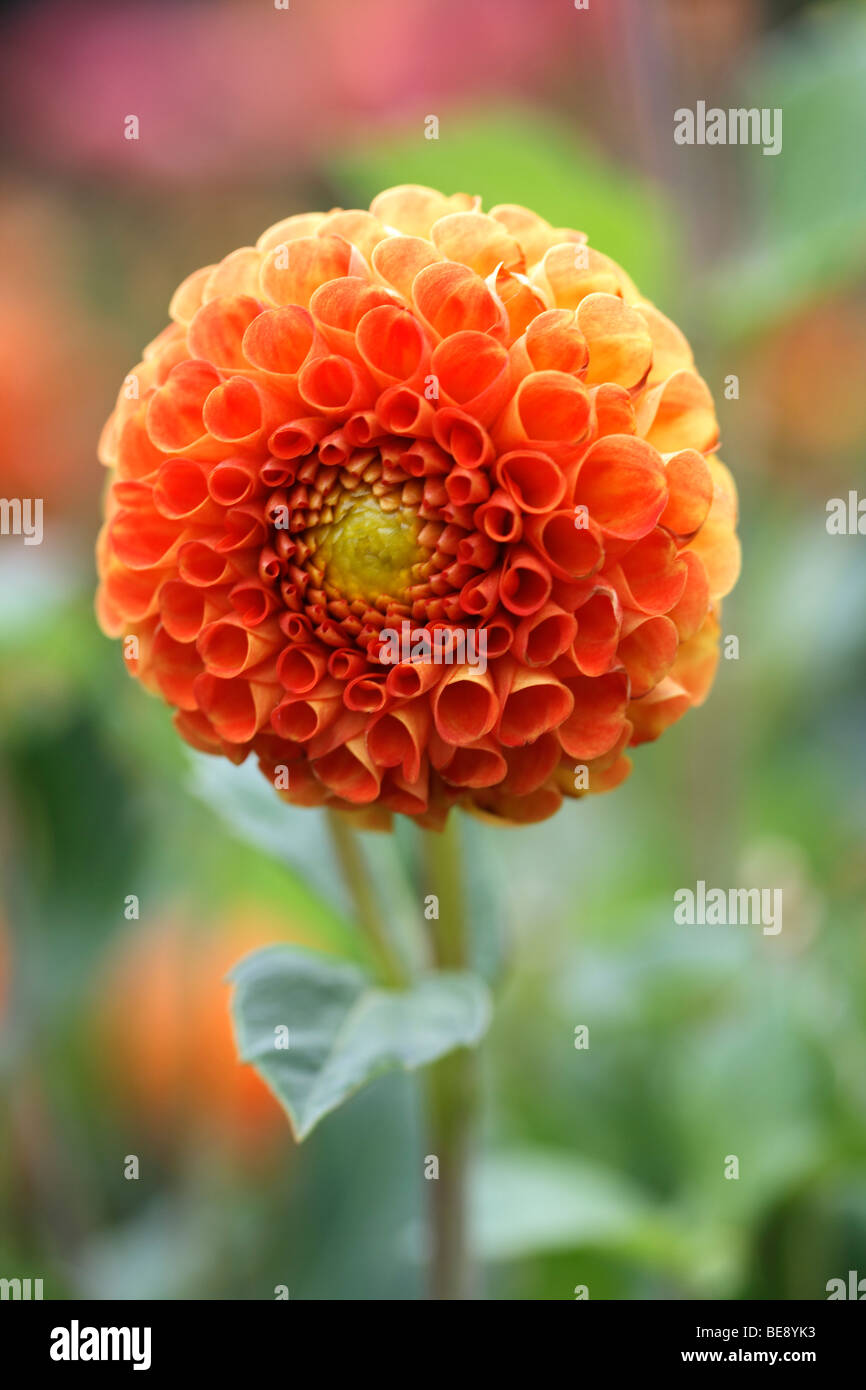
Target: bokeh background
(601, 1167)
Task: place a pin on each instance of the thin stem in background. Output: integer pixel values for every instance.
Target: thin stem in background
(363, 894)
(452, 1081)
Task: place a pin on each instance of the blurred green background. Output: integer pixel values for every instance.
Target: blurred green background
(602, 1167)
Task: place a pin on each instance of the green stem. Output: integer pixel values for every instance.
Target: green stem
(363, 894)
(452, 1082)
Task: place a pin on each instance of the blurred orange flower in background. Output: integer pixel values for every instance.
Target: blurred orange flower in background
(50, 366)
(419, 414)
(163, 1032)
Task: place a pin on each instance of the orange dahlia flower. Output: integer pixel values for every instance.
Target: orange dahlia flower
(469, 424)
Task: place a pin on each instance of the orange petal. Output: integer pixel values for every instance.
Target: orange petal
(654, 573)
(622, 483)
(533, 234)
(531, 703)
(619, 343)
(292, 272)
(648, 653)
(476, 240)
(597, 719)
(412, 208)
(465, 706)
(452, 298)
(393, 346)
(338, 307)
(679, 414)
(572, 552)
(690, 492)
(399, 259)
(473, 374)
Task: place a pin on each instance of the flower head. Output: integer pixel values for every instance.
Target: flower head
(419, 506)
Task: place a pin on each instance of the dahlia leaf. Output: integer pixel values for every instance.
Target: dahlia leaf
(531, 1200)
(318, 1029)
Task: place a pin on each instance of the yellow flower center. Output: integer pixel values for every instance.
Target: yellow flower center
(367, 552)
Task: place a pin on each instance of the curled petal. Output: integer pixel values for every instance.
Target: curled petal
(531, 703)
(453, 299)
(679, 414)
(237, 708)
(533, 234)
(618, 339)
(534, 480)
(526, 582)
(393, 346)
(555, 343)
(399, 259)
(401, 410)
(499, 517)
(548, 409)
(278, 341)
(571, 551)
(228, 648)
(216, 333)
(465, 706)
(184, 611)
(334, 386)
(303, 224)
(187, 298)
(301, 667)
(690, 492)
(648, 652)
(239, 413)
(350, 772)
(663, 706)
(671, 352)
(717, 544)
(479, 764)
(654, 573)
(338, 307)
(572, 270)
(622, 483)
(411, 208)
(530, 766)
(174, 412)
(292, 272)
(688, 614)
(476, 240)
(597, 719)
(398, 737)
(362, 229)
(462, 436)
(473, 374)
(599, 622)
(543, 636)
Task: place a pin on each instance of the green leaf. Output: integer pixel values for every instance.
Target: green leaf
(344, 1030)
(533, 1201)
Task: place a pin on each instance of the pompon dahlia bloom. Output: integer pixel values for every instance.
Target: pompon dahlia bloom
(431, 416)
